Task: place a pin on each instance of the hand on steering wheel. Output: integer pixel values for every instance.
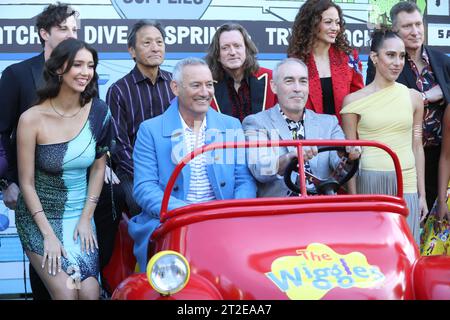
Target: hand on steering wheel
(328, 186)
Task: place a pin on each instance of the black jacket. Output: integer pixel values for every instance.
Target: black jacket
(18, 86)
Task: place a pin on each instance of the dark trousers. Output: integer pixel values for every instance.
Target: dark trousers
(106, 231)
(126, 181)
(432, 155)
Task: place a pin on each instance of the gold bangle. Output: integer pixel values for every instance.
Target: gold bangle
(417, 131)
(36, 212)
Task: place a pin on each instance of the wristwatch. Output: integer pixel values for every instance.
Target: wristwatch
(4, 184)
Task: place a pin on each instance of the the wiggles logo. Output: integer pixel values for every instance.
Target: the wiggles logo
(318, 269)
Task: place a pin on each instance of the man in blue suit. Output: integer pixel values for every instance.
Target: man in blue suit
(163, 141)
(289, 120)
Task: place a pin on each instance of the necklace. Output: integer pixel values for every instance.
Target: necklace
(63, 115)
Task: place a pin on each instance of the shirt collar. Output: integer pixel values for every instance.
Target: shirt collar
(140, 77)
(187, 128)
(424, 55)
(285, 117)
(230, 79)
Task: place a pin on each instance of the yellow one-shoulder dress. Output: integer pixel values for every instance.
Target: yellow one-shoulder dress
(386, 116)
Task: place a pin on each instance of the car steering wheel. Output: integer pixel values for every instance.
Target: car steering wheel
(328, 186)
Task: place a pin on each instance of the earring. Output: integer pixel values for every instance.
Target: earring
(59, 78)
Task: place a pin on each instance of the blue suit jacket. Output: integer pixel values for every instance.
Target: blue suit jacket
(159, 147)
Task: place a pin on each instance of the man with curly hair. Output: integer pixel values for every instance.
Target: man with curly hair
(241, 86)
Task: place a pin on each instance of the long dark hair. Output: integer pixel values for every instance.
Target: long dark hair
(306, 27)
(212, 58)
(65, 52)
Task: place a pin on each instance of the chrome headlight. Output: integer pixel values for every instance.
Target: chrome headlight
(168, 272)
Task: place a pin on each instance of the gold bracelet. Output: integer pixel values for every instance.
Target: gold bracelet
(417, 131)
(36, 212)
(93, 199)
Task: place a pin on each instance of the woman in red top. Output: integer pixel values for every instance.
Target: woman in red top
(318, 38)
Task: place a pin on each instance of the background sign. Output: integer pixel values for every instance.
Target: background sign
(190, 26)
(110, 35)
(155, 9)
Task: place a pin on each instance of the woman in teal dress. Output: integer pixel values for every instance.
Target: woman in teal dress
(61, 144)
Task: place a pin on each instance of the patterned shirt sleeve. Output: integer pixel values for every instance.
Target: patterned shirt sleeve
(123, 149)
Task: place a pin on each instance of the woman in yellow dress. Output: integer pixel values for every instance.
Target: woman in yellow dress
(390, 113)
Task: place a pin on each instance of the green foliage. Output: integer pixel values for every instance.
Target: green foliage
(380, 10)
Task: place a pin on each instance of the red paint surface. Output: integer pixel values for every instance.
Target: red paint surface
(231, 244)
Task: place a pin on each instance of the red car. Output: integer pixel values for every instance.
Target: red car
(329, 246)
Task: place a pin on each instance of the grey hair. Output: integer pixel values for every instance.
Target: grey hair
(283, 62)
(402, 6)
(131, 40)
(177, 72)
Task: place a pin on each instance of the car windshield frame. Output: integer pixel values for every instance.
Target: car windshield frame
(299, 144)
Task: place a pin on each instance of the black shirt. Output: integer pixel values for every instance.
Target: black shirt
(327, 96)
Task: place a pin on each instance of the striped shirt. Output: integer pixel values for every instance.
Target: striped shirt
(133, 99)
(200, 189)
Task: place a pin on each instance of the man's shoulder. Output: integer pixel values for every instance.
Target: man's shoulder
(433, 53)
(121, 82)
(152, 123)
(263, 71)
(264, 113)
(437, 58)
(261, 118)
(134, 74)
(151, 127)
(21, 66)
(226, 119)
(166, 75)
(320, 117)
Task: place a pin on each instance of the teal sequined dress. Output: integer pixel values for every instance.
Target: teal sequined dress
(61, 172)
